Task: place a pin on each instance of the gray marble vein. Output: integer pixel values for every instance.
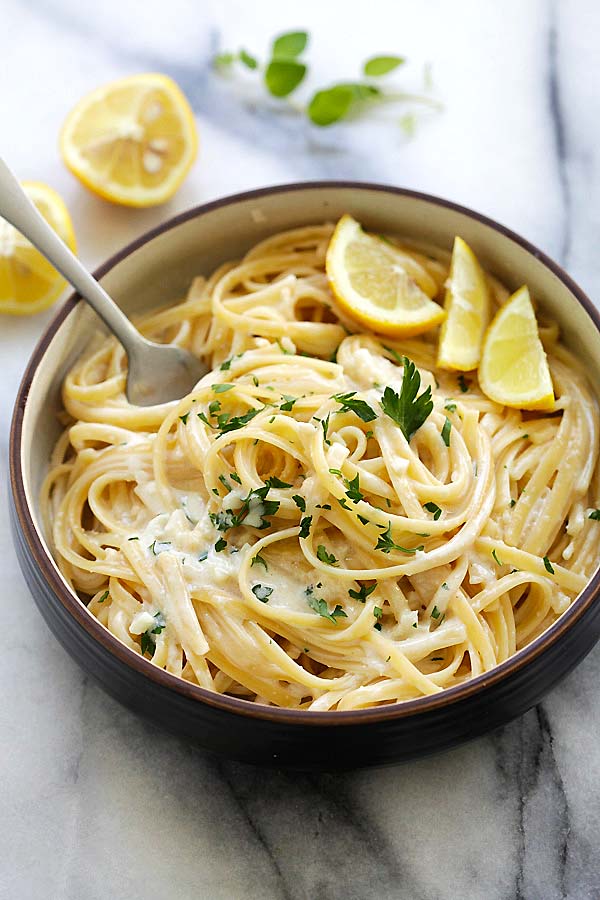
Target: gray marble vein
(95, 803)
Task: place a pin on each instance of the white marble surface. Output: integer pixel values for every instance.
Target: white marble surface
(96, 804)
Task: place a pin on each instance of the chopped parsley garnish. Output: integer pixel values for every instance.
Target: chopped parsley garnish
(133, 538)
(262, 592)
(214, 406)
(254, 504)
(237, 421)
(320, 606)
(495, 555)
(377, 626)
(289, 403)
(325, 557)
(385, 543)
(259, 560)
(325, 427)
(159, 546)
(220, 545)
(512, 503)
(300, 502)
(446, 431)
(305, 524)
(377, 612)
(524, 436)
(203, 556)
(435, 613)
(335, 472)
(353, 493)
(221, 388)
(363, 591)
(360, 407)
(343, 502)
(148, 643)
(548, 565)
(362, 519)
(595, 514)
(224, 482)
(235, 477)
(406, 409)
(104, 597)
(322, 506)
(255, 381)
(433, 508)
(184, 418)
(463, 383)
(275, 482)
(450, 406)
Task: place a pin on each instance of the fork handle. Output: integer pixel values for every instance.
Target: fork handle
(16, 208)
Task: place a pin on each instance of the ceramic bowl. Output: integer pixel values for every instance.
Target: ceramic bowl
(157, 269)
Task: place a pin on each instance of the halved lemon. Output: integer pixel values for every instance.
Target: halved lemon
(377, 284)
(514, 369)
(467, 304)
(28, 283)
(132, 141)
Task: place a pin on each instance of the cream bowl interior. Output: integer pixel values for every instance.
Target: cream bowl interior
(157, 270)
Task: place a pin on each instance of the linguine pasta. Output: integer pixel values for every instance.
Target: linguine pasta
(275, 536)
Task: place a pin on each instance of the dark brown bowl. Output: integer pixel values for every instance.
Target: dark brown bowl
(156, 269)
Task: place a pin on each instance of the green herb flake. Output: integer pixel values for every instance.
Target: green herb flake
(220, 545)
(433, 508)
(226, 425)
(305, 524)
(406, 409)
(320, 606)
(353, 491)
(300, 502)
(512, 503)
(335, 472)
(184, 418)
(235, 477)
(325, 557)
(362, 519)
(548, 565)
(377, 66)
(325, 427)
(495, 555)
(262, 592)
(350, 404)
(133, 539)
(595, 514)
(104, 597)
(275, 482)
(363, 591)
(377, 612)
(386, 544)
(446, 431)
(463, 383)
(435, 613)
(221, 388)
(450, 406)
(289, 403)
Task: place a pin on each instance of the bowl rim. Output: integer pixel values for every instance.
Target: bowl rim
(77, 609)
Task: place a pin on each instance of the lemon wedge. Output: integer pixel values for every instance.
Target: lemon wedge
(28, 283)
(379, 285)
(467, 304)
(132, 141)
(514, 369)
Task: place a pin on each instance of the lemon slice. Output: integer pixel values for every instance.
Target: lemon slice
(28, 283)
(467, 304)
(132, 141)
(377, 284)
(514, 369)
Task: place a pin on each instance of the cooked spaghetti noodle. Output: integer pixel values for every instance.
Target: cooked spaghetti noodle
(275, 536)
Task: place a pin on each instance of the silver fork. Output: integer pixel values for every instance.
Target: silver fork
(157, 373)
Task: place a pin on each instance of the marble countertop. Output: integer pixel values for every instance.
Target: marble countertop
(95, 803)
